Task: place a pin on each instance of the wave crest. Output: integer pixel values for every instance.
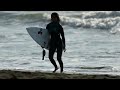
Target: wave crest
(91, 19)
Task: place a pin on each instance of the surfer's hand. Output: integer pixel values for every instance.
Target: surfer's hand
(64, 49)
(39, 32)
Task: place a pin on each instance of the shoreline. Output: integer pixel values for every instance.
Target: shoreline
(15, 74)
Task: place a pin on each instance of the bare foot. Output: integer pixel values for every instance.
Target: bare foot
(55, 70)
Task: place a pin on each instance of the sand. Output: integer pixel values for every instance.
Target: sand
(14, 74)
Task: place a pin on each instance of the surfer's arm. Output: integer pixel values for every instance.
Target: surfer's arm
(47, 27)
(63, 37)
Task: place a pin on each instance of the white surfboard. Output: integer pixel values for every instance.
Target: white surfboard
(42, 39)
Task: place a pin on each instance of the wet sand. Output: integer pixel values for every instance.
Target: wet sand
(14, 74)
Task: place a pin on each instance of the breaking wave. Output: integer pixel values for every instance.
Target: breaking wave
(91, 19)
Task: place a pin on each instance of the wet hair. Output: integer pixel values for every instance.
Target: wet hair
(56, 15)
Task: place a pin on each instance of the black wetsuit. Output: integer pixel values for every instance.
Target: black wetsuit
(56, 43)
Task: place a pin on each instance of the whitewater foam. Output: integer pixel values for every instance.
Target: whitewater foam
(95, 20)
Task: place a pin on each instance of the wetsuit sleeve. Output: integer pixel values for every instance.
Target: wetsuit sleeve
(47, 27)
(63, 36)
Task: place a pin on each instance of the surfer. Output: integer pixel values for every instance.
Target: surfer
(57, 40)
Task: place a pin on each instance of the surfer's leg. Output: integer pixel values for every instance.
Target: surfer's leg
(59, 58)
(51, 54)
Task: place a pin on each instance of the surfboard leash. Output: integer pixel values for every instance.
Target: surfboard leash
(44, 53)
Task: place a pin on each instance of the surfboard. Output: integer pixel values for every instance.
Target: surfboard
(42, 38)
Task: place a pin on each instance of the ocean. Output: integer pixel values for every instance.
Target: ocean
(92, 41)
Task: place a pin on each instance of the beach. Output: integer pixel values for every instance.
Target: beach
(92, 45)
(15, 74)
